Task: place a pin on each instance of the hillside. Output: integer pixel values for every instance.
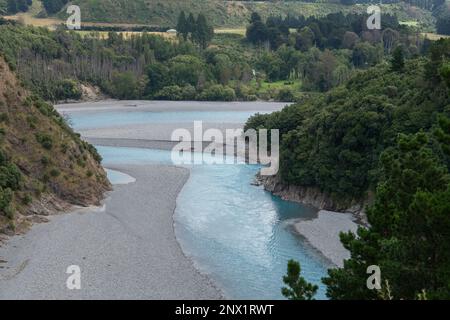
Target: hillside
(222, 13)
(331, 143)
(44, 166)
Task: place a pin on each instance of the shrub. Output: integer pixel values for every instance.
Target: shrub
(64, 148)
(45, 160)
(44, 107)
(55, 172)
(176, 93)
(27, 199)
(6, 196)
(45, 140)
(68, 89)
(4, 117)
(93, 151)
(218, 93)
(285, 95)
(170, 93)
(3, 158)
(10, 176)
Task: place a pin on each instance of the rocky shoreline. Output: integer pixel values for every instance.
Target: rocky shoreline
(312, 197)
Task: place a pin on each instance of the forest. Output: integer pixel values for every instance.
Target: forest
(279, 59)
(385, 132)
(370, 122)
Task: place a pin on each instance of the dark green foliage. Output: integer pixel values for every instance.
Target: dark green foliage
(182, 26)
(203, 32)
(54, 6)
(6, 196)
(218, 93)
(27, 199)
(10, 176)
(55, 172)
(67, 89)
(398, 60)
(176, 93)
(93, 151)
(15, 6)
(443, 21)
(199, 30)
(124, 85)
(45, 140)
(158, 76)
(257, 32)
(408, 236)
(445, 73)
(3, 117)
(285, 95)
(333, 142)
(439, 57)
(297, 287)
(442, 135)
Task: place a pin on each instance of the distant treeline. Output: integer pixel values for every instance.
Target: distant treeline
(54, 6)
(15, 6)
(197, 30)
(323, 52)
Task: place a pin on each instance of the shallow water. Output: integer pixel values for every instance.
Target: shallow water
(117, 177)
(90, 120)
(237, 233)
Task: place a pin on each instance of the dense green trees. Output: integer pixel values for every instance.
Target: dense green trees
(442, 14)
(55, 64)
(297, 287)
(408, 236)
(398, 60)
(199, 31)
(387, 132)
(323, 52)
(54, 6)
(15, 6)
(10, 180)
(333, 142)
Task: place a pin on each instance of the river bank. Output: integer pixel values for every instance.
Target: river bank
(129, 248)
(126, 249)
(323, 233)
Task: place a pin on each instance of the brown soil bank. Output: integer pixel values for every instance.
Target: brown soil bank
(44, 166)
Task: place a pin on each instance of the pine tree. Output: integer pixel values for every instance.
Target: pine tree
(182, 27)
(191, 25)
(12, 7)
(203, 32)
(297, 287)
(397, 61)
(408, 235)
(255, 17)
(22, 5)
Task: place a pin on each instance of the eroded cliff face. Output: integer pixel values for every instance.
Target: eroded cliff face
(312, 197)
(44, 166)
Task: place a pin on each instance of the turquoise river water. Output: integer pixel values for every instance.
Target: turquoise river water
(235, 232)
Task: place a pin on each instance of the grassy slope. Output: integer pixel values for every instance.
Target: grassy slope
(222, 13)
(52, 178)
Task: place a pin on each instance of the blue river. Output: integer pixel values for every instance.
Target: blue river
(238, 234)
